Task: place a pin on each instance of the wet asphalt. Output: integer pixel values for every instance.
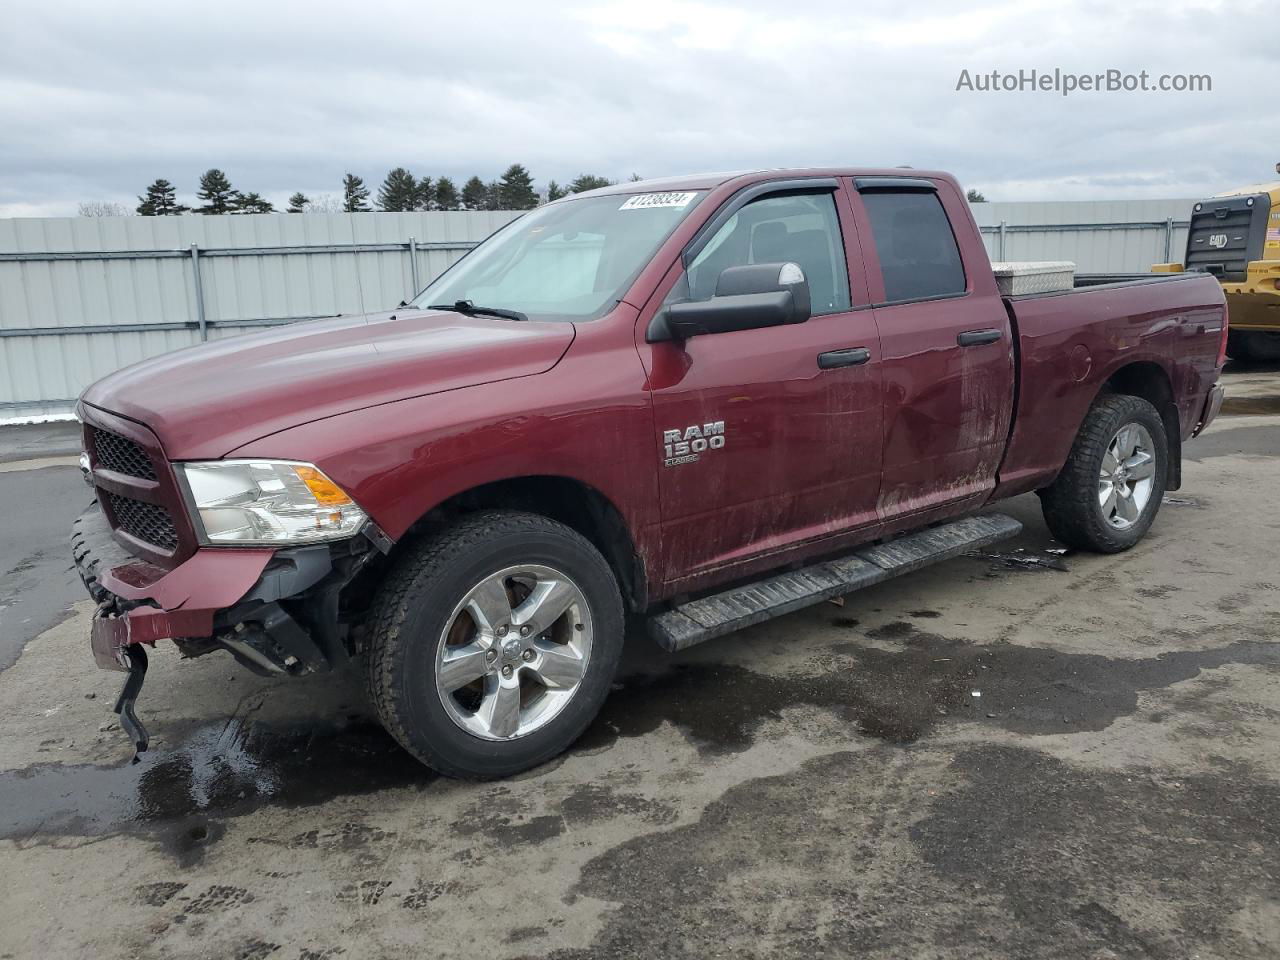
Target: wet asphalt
(1020, 753)
(38, 582)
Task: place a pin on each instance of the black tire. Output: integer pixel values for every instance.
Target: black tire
(1238, 347)
(1258, 346)
(1071, 504)
(409, 617)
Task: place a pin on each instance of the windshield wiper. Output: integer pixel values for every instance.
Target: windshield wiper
(467, 308)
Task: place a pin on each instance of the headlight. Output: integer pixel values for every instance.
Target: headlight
(268, 502)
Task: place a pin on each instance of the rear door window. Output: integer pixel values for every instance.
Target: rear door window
(917, 249)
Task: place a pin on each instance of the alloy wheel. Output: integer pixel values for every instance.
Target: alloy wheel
(1127, 477)
(514, 652)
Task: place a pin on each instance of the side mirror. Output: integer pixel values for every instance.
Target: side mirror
(747, 298)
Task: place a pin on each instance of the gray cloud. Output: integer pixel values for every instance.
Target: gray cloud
(98, 100)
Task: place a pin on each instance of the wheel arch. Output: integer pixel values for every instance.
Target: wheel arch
(1150, 381)
(567, 500)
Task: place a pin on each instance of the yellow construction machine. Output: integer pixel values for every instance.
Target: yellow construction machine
(1236, 237)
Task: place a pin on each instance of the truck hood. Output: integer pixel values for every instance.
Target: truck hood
(205, 401)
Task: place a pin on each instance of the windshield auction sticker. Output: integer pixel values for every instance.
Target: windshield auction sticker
(645, 200)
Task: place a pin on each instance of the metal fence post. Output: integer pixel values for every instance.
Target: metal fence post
(1003, 235)
(413, 266)
(201, 323)
(1168, 240)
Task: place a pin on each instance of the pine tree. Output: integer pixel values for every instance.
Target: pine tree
(636, 178)
(492, 196)
(446, 195)
(974, 196)
(354, 194)
(474, 194)
(160, 201)
(424, 197)
(216, 192)
(515, 189)
(588, 181)
(555, 191)
(399, 191)
(250, 203)
(299, 202)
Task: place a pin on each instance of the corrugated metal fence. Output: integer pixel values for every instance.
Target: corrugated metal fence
(1123, 236)
(81, 297)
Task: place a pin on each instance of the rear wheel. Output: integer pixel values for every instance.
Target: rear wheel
(492, 646)
(1110, 489)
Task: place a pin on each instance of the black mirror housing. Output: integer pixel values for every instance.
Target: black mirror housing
(748, 311)
(747, 297)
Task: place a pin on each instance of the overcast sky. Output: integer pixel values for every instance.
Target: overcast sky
(99, 99)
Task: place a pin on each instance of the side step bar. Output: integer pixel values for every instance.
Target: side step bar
(714, 616)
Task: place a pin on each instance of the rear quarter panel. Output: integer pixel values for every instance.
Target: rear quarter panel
(1071, 344)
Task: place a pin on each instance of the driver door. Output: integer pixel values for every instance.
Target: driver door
(771, 437)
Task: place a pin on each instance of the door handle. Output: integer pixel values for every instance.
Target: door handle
(974, 338)
(849, 357)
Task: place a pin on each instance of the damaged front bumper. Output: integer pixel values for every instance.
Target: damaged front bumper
(139, 602)
(274, 610)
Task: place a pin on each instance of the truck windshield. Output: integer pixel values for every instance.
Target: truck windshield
(565, 261)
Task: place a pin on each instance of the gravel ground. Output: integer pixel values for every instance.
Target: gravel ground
(996, 757)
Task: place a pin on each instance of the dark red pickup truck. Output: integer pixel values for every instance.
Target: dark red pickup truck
(706, 400)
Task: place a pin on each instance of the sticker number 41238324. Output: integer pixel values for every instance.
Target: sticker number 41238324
(644, 201)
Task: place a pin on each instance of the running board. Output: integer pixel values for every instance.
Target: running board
(714, 616)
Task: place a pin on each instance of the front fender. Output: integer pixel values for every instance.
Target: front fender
(589, 419)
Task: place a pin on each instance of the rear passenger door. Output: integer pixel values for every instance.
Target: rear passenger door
(947, 358)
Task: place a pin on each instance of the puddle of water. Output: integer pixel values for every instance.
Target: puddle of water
(899, 694)
(720, 706)
(219, 770)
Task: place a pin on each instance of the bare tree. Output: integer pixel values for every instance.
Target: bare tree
(325, 203)
(102, 208)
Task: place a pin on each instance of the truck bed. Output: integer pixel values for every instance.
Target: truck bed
(1093, 281)
(1071, 342)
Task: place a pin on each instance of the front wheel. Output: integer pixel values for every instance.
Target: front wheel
(493, 645)
(1111, 486)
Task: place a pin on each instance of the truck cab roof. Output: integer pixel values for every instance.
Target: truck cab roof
(709, 181)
